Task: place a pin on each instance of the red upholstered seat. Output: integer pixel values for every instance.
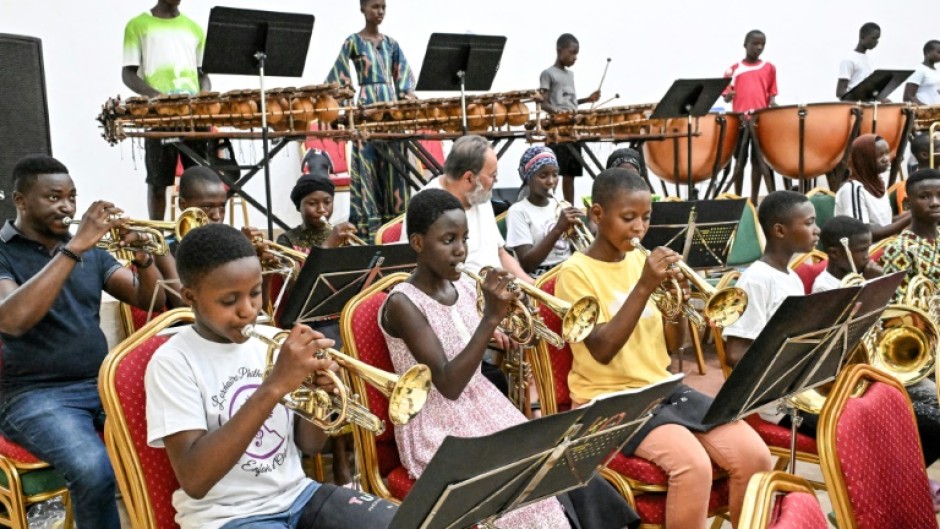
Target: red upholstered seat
(798, 510)
(808, 272)
(779, 436)
(144, 474)
(635, 477)
(16, 453)
(871, 454)
(363, 339)
(390, 232)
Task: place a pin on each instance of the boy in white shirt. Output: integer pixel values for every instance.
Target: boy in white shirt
(788, 220)
(923, 86)
(234, 448)
(859, 239)
(856, 67)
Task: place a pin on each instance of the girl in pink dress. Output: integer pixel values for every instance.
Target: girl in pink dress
(432, 319)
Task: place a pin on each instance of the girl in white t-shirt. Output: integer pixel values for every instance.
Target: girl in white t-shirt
(863, 196)
(535, 229)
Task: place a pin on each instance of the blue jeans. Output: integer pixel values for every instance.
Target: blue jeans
(282, 520)
(58, 425)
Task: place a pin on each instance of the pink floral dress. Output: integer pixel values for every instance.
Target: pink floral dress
(480, 410)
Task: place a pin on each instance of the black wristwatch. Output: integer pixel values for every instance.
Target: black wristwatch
(148, 264)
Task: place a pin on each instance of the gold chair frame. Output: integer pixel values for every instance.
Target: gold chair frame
(385, 227)
(762, 489)
(123, 456)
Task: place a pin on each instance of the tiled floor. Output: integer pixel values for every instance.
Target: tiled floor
(710, 383)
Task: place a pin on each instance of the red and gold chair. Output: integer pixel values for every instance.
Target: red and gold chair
(871, 454)
(382, 471)
(144, 474)
(808, 266)
(642, 483)
(777, 500)
(390, 232)
(877, 250)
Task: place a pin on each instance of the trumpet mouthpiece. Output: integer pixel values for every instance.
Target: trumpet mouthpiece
(460, 267)
(67, 220)
(635, 242)
(248, 331)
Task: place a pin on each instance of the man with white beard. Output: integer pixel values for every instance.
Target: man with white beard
(470, 173)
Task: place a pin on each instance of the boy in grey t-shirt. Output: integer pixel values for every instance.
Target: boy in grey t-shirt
(557, 87)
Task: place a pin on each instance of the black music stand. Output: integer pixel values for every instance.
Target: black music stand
(701, 231)
(461, 62)
(688, 98)
(877, 86)
(250, 42)
(331, 276)
(474, 480)
(795, 352)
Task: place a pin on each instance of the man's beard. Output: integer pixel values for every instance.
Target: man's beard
(479, 195)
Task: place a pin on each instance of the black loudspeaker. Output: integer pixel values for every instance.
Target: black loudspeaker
(24, 115)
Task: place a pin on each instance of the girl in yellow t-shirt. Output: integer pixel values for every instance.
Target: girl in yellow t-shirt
(628, 349)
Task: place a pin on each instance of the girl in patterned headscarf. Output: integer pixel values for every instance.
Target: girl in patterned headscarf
(536, 226)
(863, 195)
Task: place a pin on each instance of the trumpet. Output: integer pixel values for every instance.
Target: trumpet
(854, 278)
(578, 235)
(351, 239)
(722, 306)
(406, 394)
(155, 243)
(577, 318)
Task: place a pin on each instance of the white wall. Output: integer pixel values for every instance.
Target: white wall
(651, 44)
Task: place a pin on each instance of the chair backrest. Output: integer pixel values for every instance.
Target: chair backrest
(871, 455)
(363, 339)
(335, 149)
(824, 201)
(390, 232)
(877, 250)
(777, 500)
(748, 244)
(144, 474)
(808, 272)
(551, 365)
(501, 223)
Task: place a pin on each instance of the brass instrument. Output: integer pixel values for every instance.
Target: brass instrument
(577, 318)
(156, 242)
(854, 278)
(406, 394)
(722, 306)
(578, 235)
(351, 240)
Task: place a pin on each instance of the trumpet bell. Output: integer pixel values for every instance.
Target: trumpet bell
(579, 320)
(190, 219)
(409, 394)
(726, 306)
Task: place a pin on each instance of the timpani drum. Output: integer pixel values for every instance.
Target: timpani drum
(668, 158)
(891, 121)
(804, 141)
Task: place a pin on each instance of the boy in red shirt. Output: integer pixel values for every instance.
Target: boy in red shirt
(753, 87)
(753, 81)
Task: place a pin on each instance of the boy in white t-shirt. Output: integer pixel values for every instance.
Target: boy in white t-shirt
(234, 448)
(856, 67)
(859, 240)
(788, 220)
(535, 229)
(923, 86)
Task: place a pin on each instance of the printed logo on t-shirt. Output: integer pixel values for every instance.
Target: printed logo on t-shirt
(268, 450)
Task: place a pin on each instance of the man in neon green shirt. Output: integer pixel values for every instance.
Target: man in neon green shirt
(163, 55)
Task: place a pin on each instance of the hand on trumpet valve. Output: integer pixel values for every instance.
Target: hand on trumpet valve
(298, 360)
(567, 219)
(269, 260)
(500, 291)
(661, 265)
(99, 219)
(342, 234)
